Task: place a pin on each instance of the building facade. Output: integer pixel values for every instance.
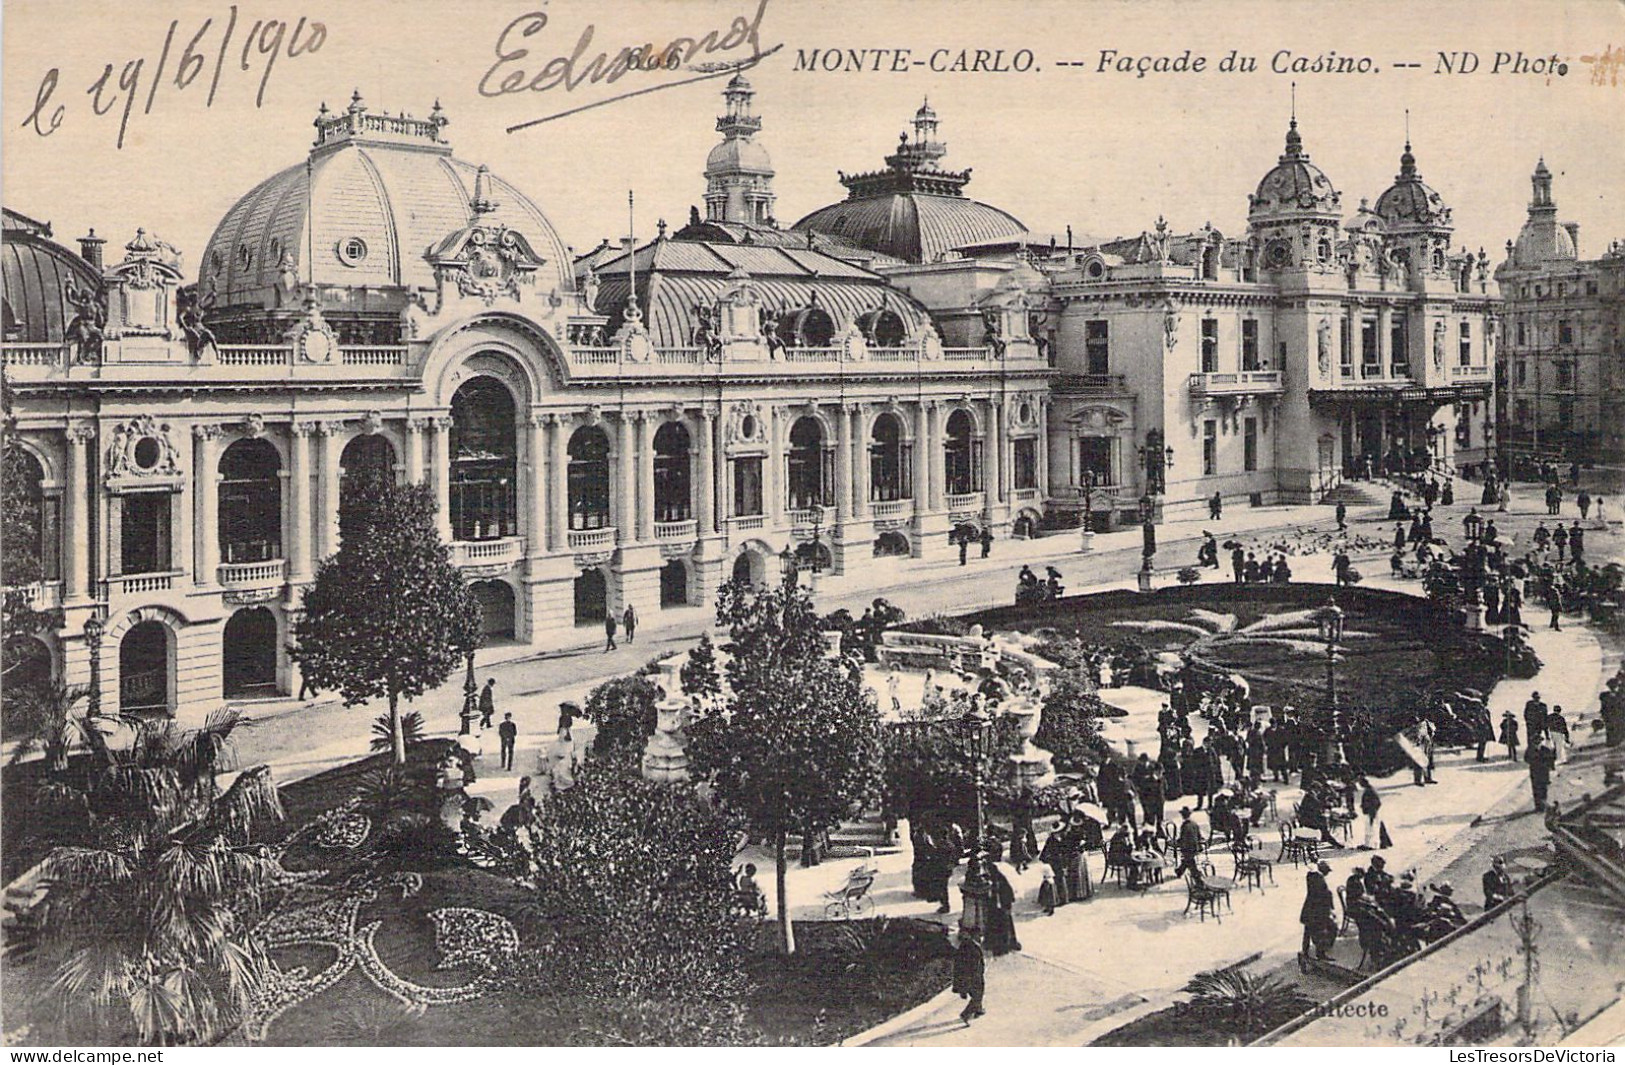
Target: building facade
(640, 424)
(1562, 366)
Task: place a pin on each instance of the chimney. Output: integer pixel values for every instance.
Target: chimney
(90, 249)
(1574, 235)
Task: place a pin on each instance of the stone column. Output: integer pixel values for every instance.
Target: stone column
(646, 476)
(993, 477)
(76, 559)
(558, 484)
(843, 464)
(1385, 340)
(922, 462)
(440, 473)
(706, 510)
(298, 547)
(625, 477)
(536, 485)
(860, 463)
(327, 509)
(773, 473)
(934, 449)
(414, 449)
(1043, 448)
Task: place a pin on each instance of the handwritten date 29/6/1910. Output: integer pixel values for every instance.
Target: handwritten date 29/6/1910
(209, 46)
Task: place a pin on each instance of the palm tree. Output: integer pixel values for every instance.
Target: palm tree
(142, 930)
(47, 723)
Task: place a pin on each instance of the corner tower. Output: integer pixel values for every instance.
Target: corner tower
(738, 172)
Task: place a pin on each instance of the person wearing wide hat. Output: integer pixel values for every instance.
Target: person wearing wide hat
(1318, 914)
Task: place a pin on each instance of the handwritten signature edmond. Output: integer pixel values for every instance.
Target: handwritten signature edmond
(517, 71)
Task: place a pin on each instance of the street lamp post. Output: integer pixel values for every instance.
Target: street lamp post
(471, 700)
(93, 640)
(1090, 480)
(976, 890)
(1148, 536)
(1329, 620)
(1156, 457)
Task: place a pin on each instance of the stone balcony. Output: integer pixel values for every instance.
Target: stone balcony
(253, 575)
(677, 534)
(1239, 383)
(1469, 373)
(41, 595)
(891, 509)
(129, 584)
(1091, 384)
(582, 540)
(480, 554)
(964, 504)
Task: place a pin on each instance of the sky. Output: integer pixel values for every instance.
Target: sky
(1055, 145)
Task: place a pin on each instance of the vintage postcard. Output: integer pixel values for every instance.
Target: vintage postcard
(813, 522)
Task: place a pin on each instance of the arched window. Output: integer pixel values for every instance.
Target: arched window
(484, 461)
(248, 654)
(673, 473)
(250, 502)
(144, 670)
(496, 608)
(674, 583)
(959, 455)
(891, 545)
(591, 597)
(883, 328)
(888, 461)
(365, 458)
(31, 518)
(808, 485)
(589, 478)
(810, 327)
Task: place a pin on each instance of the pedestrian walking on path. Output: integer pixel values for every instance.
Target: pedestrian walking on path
(609, 632)
(508, 732)
(1509, 734)
(1542, 760)
(987, 541)
(1215, 507)
(970, 973)
(1318, 915)
(488, 702)
(629, 620)
(1342, 517)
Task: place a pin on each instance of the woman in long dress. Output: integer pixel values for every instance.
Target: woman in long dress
(1001, 922)
(561, 761)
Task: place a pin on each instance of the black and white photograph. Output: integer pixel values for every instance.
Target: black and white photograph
(812, 523)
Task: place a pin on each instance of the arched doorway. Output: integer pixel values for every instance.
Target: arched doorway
(484, 461)
(365, 458)
(496, 608)
(807, 481)
(34, 524)
(891, 545)
(674, 583)
(592, 597)
(248, 654)
(958, 448)
(250, 508)
(589, 478)
(744, 570)
(672, 473)
(888, 461)
(145, 667)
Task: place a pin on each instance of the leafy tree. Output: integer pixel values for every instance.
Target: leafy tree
(142, 931)
(797, 744)
(699, 674)
(624, 711)
(1069, 723)
(635, 877)
(21, 562)
(929, 767)
(388, 615)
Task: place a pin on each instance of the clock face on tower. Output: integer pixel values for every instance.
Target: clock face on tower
(1277, 254)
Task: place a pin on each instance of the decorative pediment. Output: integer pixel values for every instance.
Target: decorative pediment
(148, 263)
(142, 450)
(487, 261)
(312, 338)
(1099, 418)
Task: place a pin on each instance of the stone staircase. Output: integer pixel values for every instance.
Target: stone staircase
(1358, 494)
(865, 836)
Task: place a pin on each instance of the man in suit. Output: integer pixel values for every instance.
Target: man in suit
(488, 702)
(1318, 915)
(1498, 886)
(970, 973)
(508, 732)
(1189, 842)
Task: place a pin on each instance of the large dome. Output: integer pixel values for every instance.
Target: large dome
(377, 192)
(913, 210)
(36, 273)
(1295, 183)
(917, 227)
(740, 154)
(1541, 242)
(1409, 200)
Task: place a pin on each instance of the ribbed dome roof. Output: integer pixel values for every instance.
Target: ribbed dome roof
(1542, 241)
(35, 272)
(1409, 200)
(916, 227)
(1295, 183)
(739, 154)
(387, 182)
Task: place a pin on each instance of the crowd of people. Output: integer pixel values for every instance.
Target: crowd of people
(1395, 916)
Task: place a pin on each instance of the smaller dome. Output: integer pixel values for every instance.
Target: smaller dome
(35, 275)
(1295, 183)
(739, 153)
(1542, 241)
(1409, 200)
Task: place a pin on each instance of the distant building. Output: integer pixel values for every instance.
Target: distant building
(1562, 363)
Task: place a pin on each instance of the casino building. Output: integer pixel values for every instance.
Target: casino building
(642, 423)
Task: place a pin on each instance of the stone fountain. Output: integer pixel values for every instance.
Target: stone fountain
(664, 757)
